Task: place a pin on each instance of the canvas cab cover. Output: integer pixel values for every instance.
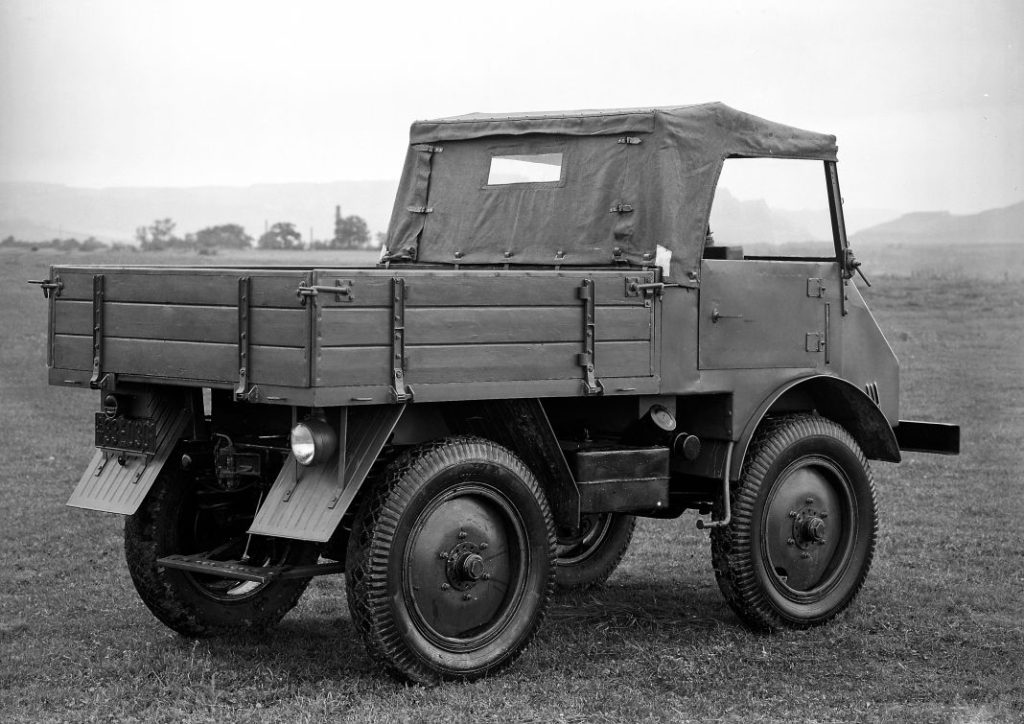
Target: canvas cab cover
(583, 188)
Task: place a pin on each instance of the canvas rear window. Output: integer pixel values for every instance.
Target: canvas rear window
(532, 168)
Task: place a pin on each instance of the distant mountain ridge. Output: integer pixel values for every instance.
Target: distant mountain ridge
(38, 212)
(1003, 225)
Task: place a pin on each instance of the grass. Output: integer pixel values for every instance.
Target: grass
(935, 636)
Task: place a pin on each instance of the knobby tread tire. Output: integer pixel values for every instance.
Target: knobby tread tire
(598, 567)
(170, 594)
(731, 546)
(371, 545)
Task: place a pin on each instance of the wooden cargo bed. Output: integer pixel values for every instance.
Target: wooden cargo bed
(351, 336)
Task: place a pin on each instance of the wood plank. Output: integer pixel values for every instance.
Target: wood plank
(491, 362)
(623, 359)
(285, 366)
(184, 285)
(72, 352)
(353, 366)
(368, 326)
(469, 288)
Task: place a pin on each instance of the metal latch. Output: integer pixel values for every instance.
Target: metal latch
(815, 287)
(342, 290)
(815, 342)
(621, 209)
(54, 285)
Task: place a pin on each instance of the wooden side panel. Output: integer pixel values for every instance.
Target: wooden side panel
(480, 327)
(182, 324)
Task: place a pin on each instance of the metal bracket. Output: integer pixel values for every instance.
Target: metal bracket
(244, 288)
(98, 293)
(630, 140)
(585, 359)
(815, 342)
(399, 391)
(815, 287)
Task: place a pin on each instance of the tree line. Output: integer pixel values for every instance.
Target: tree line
(350, 232)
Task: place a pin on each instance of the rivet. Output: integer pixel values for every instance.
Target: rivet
(486, 576)
(462, 534)
(805, 555)
(792, 514)
(467, 597)
(809, 501)
(442, 554)
(483, 546)
(445, 586)
(790, 542)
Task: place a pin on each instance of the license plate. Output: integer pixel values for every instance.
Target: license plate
(126, 434)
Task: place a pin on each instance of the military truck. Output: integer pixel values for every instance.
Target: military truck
(548, 348)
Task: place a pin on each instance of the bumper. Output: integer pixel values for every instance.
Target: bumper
(929, 437)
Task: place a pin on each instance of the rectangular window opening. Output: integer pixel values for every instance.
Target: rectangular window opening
(525, 169)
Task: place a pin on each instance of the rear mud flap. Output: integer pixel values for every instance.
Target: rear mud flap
(113, 487)
(309, 503)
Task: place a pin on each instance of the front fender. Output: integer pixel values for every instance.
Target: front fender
(836, 399)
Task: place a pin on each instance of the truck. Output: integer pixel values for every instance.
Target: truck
(550, 347)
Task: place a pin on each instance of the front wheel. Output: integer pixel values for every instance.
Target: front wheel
(803, 528)
(182, 516)
(450, 564)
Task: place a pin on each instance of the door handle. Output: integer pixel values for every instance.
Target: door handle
(716, 315)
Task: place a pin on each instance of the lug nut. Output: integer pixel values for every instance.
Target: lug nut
(483, 546)
(467, 597)
(445, 586)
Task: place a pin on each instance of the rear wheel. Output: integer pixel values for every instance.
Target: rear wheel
(803, 529)
(450, 563)
(181, 516)
(590, 555)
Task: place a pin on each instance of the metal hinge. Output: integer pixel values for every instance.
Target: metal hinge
(621, 209)
(400, 392)
(585, 359)
(420, 209)
(430, 149)
(630, 140)
(244, 293)
(97, 331)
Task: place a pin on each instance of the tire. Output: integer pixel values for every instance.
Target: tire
(803, 526)
(179, 516)
(450, 564)
(589, 557)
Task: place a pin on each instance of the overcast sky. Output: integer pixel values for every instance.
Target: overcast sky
(926, 96)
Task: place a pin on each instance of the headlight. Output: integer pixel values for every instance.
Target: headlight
(313, 441)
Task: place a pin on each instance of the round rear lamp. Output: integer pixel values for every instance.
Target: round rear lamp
(313, 442)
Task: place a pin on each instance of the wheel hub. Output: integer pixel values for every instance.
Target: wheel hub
(465, 565)
(809, 527)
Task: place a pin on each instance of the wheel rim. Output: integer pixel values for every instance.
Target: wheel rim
(809, 530)
(594, 529)
(466, 560)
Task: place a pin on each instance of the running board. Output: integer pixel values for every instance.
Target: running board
(199, 563)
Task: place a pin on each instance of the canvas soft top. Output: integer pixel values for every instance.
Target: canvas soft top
(634, 180)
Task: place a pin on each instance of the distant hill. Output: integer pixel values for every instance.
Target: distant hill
(996, 226)
(37, 212)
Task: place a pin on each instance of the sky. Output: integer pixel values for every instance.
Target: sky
(926, 97)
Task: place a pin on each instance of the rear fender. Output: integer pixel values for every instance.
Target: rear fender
(836, 399)
(118, 483)
(308, 503)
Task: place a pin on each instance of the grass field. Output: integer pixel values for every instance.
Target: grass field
(937, 635)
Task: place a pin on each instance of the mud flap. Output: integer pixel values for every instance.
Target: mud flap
(309, 503)
(113, 487)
